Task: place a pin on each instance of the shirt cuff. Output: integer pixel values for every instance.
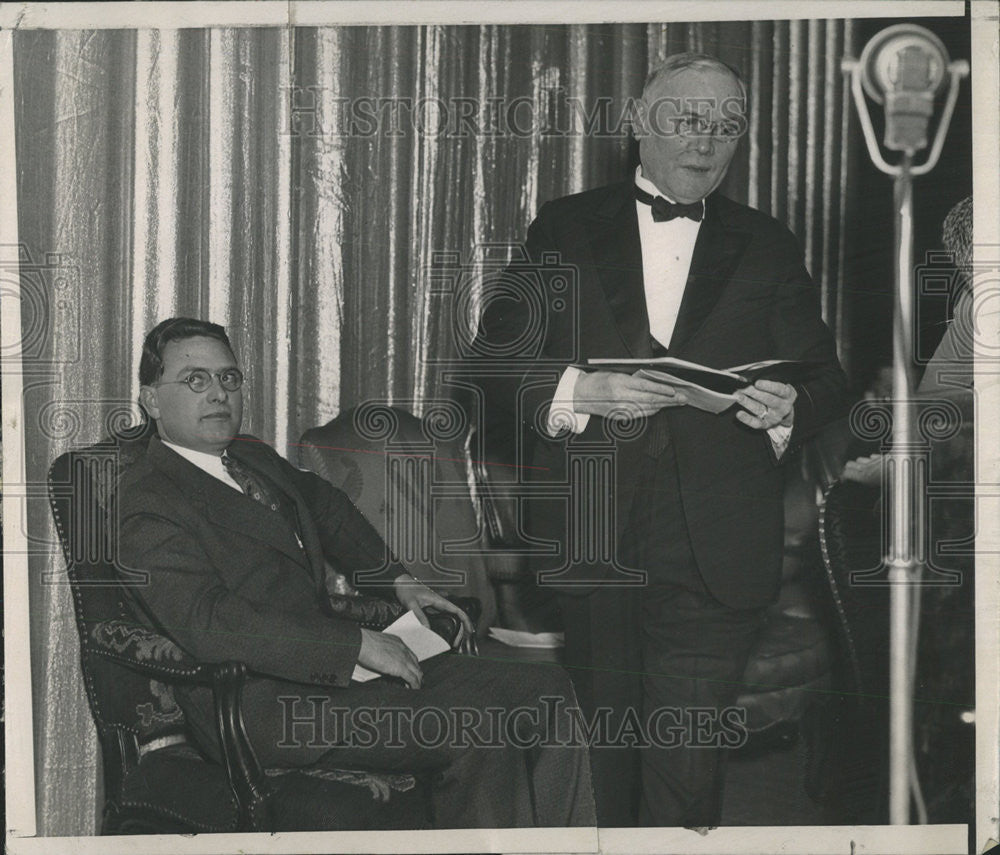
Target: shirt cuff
(779, 436)
(562, 416)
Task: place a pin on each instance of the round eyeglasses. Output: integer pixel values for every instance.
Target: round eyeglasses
(200, 380)
(727, 130)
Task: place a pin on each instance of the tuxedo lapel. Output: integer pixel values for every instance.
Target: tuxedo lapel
(227, 507)
(617, 255)
(717, 251)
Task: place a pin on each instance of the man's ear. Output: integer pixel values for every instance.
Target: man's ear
(639, 118)
(147, 397)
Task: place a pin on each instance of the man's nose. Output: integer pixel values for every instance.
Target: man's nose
(704, 143)
(215, 391)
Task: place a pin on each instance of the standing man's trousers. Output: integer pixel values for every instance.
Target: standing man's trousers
(668, 655)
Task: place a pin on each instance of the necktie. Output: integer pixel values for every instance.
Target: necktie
(664, 210)
(261, 490)
(250, 483)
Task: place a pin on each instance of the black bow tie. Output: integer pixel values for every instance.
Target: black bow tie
(664, 210)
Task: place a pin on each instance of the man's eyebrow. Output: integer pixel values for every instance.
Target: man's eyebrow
(187, 369)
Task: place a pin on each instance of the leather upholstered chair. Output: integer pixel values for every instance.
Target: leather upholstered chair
(155, 778)
(521, 604)
(410, 478)
(849, 768)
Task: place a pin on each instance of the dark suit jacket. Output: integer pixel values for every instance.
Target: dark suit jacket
(748, 297)
(229, 581)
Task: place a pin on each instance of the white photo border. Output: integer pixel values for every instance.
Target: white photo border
(933, 840)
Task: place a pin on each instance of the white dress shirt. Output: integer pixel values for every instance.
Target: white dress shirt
(667, 248)
(213, 465)
(210, 463)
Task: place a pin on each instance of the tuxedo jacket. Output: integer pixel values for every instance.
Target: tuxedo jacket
(229, 580)
(577, 293)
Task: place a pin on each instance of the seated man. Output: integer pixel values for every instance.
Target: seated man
(235, 542)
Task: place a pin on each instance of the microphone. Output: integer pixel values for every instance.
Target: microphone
(903, 68)
(910, 103)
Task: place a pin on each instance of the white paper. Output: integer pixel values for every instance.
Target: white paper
(697, 395)
(424, 642)
(665, 362)
(517, 638)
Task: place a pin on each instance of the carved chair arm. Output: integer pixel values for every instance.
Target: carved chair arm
(246, 776)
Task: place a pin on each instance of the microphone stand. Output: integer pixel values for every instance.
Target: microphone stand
(906, 467)
(908, 480)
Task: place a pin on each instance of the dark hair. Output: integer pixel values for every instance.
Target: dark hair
(679, 61)
(173, 329)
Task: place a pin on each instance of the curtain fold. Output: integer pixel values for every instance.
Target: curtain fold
(298, 185)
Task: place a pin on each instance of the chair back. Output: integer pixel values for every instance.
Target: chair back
(129, 709)
(852, 541)
(409, 479)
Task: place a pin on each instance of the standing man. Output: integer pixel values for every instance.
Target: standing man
(692, 502)
(235, 542)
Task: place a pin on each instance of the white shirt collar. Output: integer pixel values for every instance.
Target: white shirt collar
(209, 463)
(643, 183)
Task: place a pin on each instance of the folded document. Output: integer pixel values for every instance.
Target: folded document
(709, 389)
(424, 642)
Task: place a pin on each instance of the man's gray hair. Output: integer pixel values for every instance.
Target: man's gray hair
(957, 232)
(679, 61)
(957, 238)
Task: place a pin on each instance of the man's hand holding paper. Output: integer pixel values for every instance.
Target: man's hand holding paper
(397, 651)
(623, 396)
(767, 404)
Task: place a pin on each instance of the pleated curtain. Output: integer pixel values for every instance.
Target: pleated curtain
(302, 187)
